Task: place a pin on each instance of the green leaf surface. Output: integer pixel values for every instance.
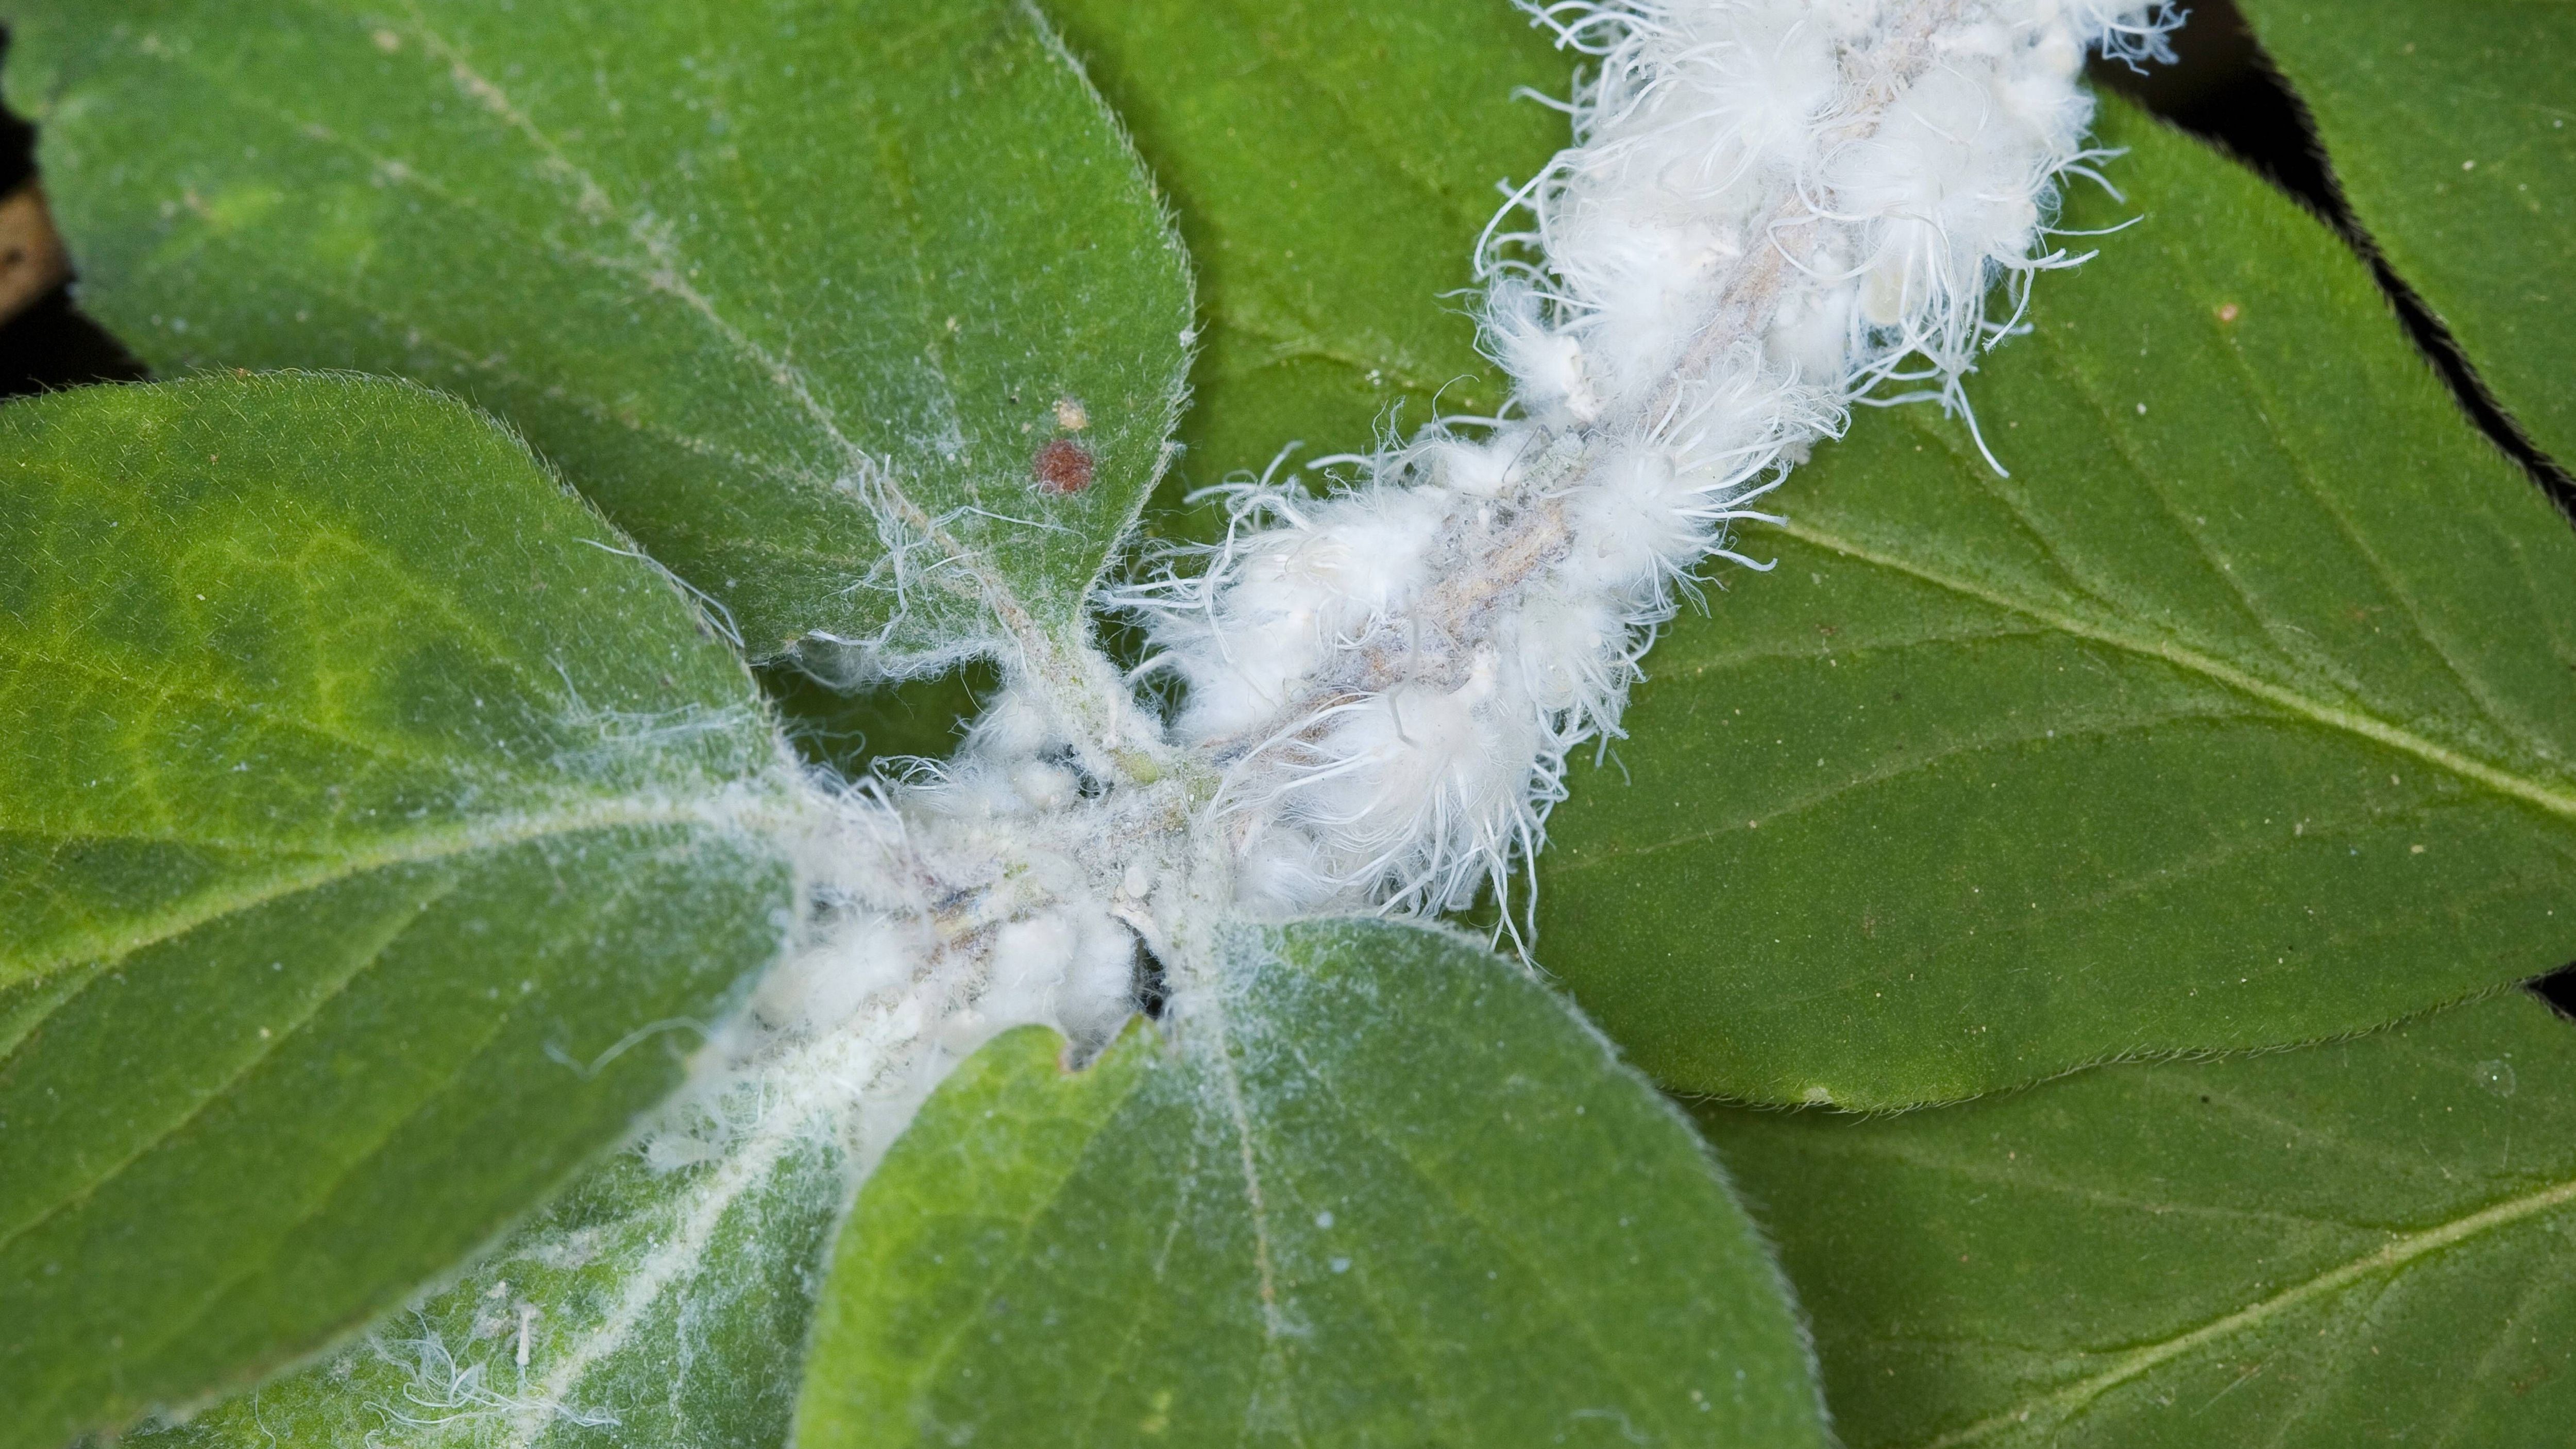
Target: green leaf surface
(748, 274)
(851, 731)
(2242, 713)
(2370, 1241)
(2451, 126)
(640, 1309)
(1382, 1189)
(1332, 166)
(372, 825)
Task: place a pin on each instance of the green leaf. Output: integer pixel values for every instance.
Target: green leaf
(1383, 1189)
(652, 1308)
(372, 826)
(2242, 713)
(2367, 1241)
(740, 271)
(850, 731)
(2451, 127)
(1332, 166)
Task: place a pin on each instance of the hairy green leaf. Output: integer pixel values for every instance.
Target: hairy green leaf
(798, 291)
(2451, 127)
(641, 1309)
(2242, 713)
(2366, 1241)
(1382, 1189)
(373, 827)
(1332, 165)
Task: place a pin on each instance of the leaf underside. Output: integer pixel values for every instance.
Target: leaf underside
(2242, 713)
(2451, 126)
(1386, 1191)
(364, 848)
(2368, 1241)
(741, 272)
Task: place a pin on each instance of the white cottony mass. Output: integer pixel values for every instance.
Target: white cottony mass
(1772, 210)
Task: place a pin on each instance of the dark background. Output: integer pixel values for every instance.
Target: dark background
(2221, 87)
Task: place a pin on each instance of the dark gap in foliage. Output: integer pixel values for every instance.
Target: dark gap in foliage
(2558, 988)
(2224, 89)
(1153, 984)
(50, 344)
(17, 140)
(54, 345)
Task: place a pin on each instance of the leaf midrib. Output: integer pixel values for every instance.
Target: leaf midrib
(2503, 782)
(421, 848)
(1952, 1160)
(2386, 1258)
(1899, 769)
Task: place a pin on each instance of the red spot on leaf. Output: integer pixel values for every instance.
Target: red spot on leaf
(1062, 466)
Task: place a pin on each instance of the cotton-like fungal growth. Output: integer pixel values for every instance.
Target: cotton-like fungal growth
(1773, 210)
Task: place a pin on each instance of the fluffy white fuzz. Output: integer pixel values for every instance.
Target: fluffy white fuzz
(1773, 209)
(1009, 886)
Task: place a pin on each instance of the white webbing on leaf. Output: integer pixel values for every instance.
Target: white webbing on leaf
(1773, 209)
